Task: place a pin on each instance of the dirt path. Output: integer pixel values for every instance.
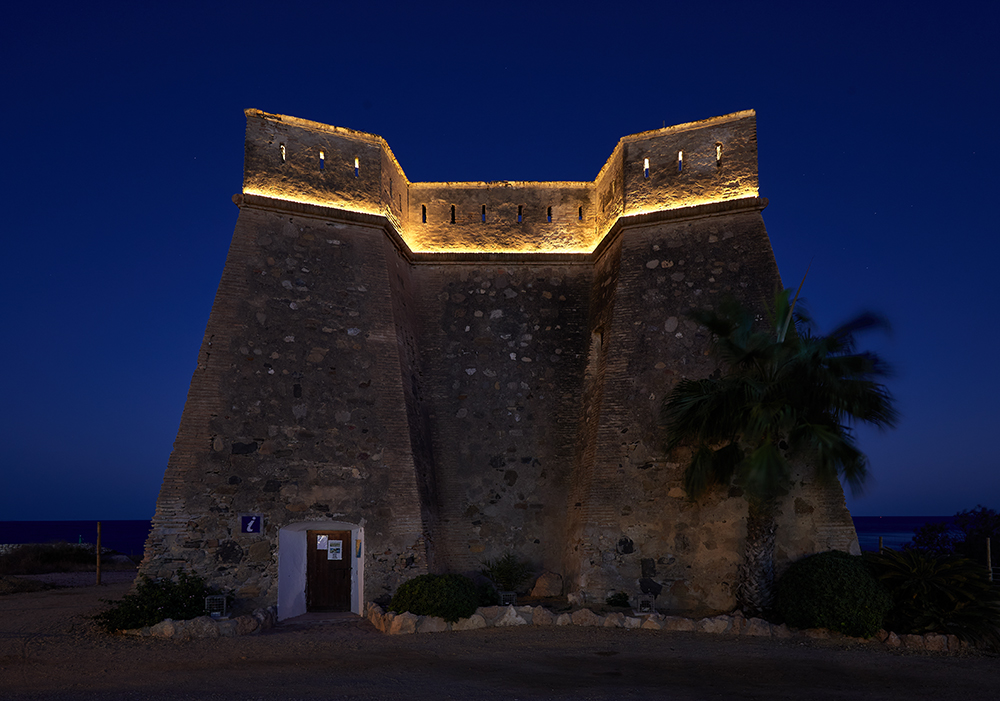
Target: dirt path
(49, 650)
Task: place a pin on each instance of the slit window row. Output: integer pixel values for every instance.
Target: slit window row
(680, 161)
(482, 216)
(645, 173)
(322, 161)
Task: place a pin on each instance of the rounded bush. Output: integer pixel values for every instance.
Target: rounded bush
(155, 600)
(832, 590)
(448, 596)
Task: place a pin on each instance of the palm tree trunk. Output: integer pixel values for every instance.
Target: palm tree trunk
(755, 584)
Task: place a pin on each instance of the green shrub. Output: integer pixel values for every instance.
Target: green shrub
(448, 596)
(619, 599)
(507, 572)
(938, 594)
(832, 590)
(488, 594)
(157, 600)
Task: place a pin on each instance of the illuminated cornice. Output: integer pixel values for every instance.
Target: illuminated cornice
(697, 164)
(444, 256)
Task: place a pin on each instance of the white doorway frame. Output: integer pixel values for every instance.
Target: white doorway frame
(292, 565)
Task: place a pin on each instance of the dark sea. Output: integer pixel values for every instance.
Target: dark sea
(896, 531)
(129, 537)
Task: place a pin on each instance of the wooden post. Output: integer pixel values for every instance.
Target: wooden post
(880, 545)
(989, 560)
(98, 549)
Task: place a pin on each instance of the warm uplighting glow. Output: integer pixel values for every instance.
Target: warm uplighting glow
(515, 217)
(301, 198)
(430, 239)
(693, 201)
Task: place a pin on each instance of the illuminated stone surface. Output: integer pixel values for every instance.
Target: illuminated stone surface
(458, 391)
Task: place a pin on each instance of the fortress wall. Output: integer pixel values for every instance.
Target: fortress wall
(465, 405)
(603, 290)
(310, 422)
(636, 526)
(702, 177)
(381, 187)
(501, 231)
(502, 349)
(299, 178)
(406, 312)
(395, 191)
(813, 517)
(171, 544)
(609, 191)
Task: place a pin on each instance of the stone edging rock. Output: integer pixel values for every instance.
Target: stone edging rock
(208, 627)
(735, 624)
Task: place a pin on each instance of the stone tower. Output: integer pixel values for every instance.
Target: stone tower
(438, 373)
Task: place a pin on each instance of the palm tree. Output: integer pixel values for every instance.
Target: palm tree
(781, 393)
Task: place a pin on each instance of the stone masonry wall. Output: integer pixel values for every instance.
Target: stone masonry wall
(503, 347)
(465, 390)
(283, 161)
(307, 418)
(518, 217)
(637, 528)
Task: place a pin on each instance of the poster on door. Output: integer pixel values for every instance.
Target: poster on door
(335, 550)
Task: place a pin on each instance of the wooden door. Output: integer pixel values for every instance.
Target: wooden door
(328, 570)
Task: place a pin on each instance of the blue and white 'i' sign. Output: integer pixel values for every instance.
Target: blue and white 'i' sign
(251, 523)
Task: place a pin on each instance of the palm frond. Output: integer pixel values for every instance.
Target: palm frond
(764, 473)
(801, 387)
(780, 393)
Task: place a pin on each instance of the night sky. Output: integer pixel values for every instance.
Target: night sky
(123, 126)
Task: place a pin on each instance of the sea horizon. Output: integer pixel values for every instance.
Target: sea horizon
(128, 536)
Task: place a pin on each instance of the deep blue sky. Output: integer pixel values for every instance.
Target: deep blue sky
(123, 144)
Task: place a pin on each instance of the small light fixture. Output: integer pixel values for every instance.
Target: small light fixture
(645, 168)
(680, 161)
(282, 148)
(357, 166)
(322, 160)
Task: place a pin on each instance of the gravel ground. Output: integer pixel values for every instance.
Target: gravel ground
(50, 650)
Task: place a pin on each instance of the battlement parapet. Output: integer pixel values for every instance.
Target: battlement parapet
(709, 161)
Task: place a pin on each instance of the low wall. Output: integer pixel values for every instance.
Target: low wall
(735, 624)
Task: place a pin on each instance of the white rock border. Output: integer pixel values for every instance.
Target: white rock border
(208, 627)
(727, 624)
